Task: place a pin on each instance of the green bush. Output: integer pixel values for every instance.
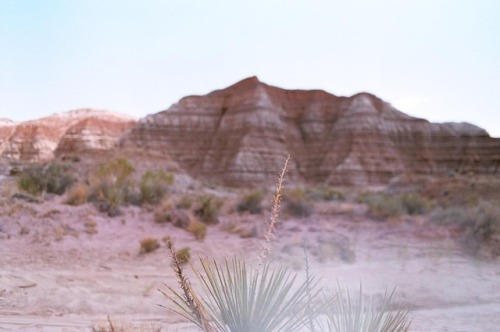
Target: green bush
(154, 185)
(251, 202)
(51, 178)
(112, 186)
(208, 209)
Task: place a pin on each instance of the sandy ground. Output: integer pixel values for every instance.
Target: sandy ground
(67, 268)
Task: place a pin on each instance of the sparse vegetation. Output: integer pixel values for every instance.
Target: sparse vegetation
(50, 178)
(241, 297)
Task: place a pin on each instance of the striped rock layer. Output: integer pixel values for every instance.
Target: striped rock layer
(242, 134)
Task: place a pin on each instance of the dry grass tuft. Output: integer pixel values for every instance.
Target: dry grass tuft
(78, 194)
(198, 229)
(183, 255)
(149, 245)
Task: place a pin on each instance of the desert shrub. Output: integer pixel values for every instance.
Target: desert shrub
(183, 255)
(296, 203)
(166, 212)
(481, 221)
(486, 217)
(185, 202)
(414, 204)
(149, 245)
(208, 208)
(112, 186)
(32, 180)
(382, 206)
(154, 185)
(162, 211)
(51, 178)
(327, 193)
(78, 194)
(251, 202)
(348, 314)
(198, 229)
(108, 197)
(118, 170)
(450, 216)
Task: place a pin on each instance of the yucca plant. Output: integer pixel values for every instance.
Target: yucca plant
(347, 314)
(244, 298)
(241, 298)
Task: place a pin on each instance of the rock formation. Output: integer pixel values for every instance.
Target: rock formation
(95, 133)
(37, 140)
(241, 135)
(7, 127)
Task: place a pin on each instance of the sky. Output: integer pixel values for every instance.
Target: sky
(435, 59)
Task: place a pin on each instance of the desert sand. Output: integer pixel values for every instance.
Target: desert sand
(66, 268)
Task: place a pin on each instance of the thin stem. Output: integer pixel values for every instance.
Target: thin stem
(271, 228)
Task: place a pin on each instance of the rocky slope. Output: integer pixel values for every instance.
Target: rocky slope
(241, 135)
(73, 131)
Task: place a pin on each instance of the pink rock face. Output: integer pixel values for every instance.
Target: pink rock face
(37, 140)
(242, 134)
(92, 134)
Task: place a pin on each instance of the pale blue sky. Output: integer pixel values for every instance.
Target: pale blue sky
(437, 59)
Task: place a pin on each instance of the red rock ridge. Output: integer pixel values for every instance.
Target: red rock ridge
(241, 135)
(37, 140)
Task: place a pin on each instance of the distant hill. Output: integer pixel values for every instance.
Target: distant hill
(73, 131)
